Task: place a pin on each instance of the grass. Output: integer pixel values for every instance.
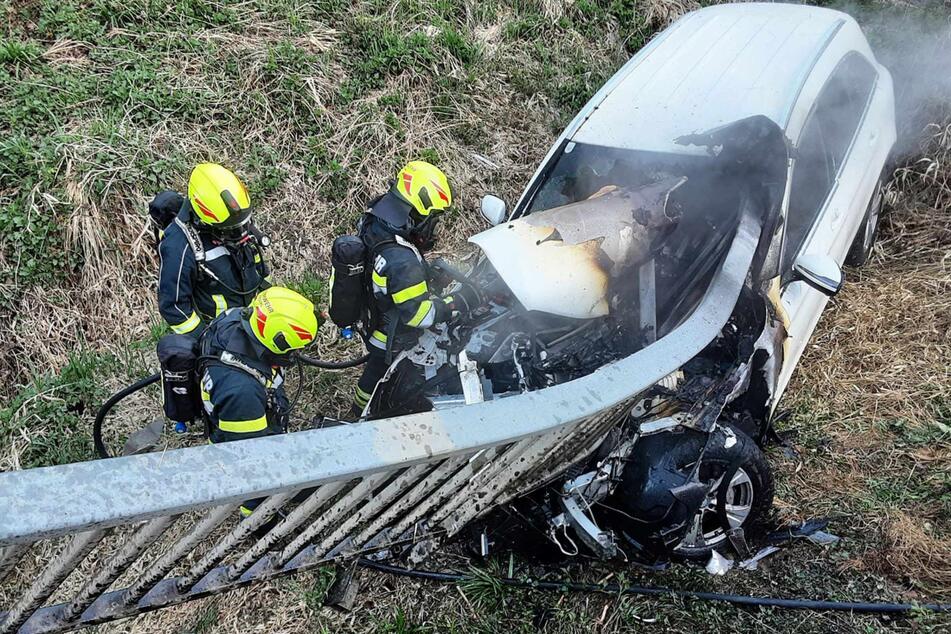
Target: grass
(315, 105)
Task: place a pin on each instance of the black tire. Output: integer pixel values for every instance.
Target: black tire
(753, 477)
(864, 242)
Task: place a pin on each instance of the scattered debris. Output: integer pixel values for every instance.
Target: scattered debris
(718, 564)
(789, 533)
(753, 562)
(822, 538)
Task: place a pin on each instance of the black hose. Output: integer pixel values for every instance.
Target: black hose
(736, 599)
(108, 405)
(333, 365)
(100, 446)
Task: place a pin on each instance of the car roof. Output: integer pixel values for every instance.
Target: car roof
(712, 67)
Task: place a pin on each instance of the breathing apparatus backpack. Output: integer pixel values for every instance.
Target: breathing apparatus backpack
(178, 357)
(163, 209)
(349, 300)
(183, 359)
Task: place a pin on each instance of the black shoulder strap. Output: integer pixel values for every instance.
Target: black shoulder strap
(379, 246)
(198, 249)
(232, 361)
(194, 240)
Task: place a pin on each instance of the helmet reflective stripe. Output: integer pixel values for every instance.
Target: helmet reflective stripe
(218, 197)
(282, 320)
(424, 187)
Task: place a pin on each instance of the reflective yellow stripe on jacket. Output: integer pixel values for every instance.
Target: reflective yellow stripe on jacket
(425, 315)
(379, 282)
(188, 325)
(221, 304)
(243, 426)
(378, 340)
(412, 292)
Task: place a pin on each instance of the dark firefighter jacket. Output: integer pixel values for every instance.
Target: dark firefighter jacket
(400, 279)
(188, 296)
(242, 392)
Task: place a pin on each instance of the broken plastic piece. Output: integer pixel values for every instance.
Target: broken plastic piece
(737, 539)
(788, 533)
(822, 538)
(145, 439)
(753, 562)
(718, 564)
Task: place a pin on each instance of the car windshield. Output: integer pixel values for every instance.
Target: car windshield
(664, 220)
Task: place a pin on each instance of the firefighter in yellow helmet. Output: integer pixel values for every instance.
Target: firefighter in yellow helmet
(243, 353)
(211, 255)
(397, 230)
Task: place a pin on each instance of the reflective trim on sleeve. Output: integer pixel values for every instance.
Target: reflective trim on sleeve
(188, 325)
(221, 305)
(243, 426)
(425, 315)
(378, 340)
(360, 397)
(412, 292)
(257, 258)
(245, 511)
(379, 282)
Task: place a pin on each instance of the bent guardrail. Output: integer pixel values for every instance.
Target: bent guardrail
(365, 488)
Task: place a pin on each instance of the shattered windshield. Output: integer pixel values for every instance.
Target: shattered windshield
(663, 223)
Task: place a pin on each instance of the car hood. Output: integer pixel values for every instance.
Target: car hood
(564, 261)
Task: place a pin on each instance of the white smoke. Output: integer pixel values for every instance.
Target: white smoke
(913, 41)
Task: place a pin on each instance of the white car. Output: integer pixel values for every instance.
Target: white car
(645, 304)
(808, 70)
(770, 119)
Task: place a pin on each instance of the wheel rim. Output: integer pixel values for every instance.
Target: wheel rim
(706, 530)
(873, 215)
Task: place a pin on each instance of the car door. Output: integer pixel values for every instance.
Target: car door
(828, 193)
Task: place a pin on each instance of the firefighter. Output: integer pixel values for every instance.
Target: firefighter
(398, 228)
(211, 255)
(242, 355)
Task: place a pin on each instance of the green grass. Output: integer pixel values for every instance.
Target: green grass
(58, 404)
(315, 104)
(206, 621)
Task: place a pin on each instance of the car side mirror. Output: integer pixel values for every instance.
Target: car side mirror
(493, 209)
(820, 272)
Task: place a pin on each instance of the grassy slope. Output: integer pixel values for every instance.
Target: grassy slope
(316, 104)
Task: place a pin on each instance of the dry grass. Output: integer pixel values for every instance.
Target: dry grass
(868, 396)
(873, 390)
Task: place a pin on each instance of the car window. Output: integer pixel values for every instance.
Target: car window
(824, 145)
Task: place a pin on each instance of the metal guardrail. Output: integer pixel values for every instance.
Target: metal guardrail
(165, 524)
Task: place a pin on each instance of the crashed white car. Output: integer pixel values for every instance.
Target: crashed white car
(763, 121)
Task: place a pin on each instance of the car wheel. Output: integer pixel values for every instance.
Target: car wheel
(861, 248)
(748, 496)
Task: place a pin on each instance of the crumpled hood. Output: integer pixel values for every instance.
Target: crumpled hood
(563, 261)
